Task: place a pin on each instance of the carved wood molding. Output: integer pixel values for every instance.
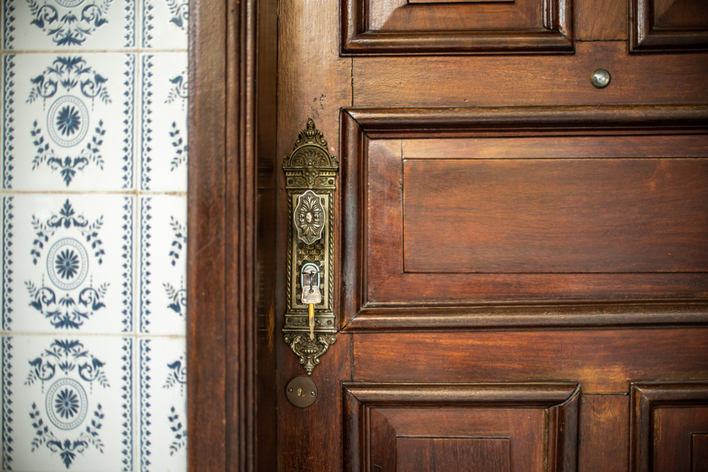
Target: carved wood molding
(525, 121)
(645, 35)
(560, 400)
(645, 398)
(552, 35)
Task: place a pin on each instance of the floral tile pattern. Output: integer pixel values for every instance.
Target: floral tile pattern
(163, 122)
(164, 24)
(63, 398)
(93, 220)
(68, 122)
(76, 272)
(58, 24)
(163, 407)
(163, 266)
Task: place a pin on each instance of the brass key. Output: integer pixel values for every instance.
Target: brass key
(311, 294)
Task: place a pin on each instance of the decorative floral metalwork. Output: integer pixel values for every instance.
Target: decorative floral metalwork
(309, 217)
(309, 350)
(310, 178)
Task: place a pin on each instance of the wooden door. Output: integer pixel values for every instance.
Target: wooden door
(521, 257)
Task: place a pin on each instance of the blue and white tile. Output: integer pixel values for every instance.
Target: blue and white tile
(164, 24)
(163, 405)
(163, 122)
(68, 403)
(163, 265)
(68, 121)
(68, 263)
(69, 24)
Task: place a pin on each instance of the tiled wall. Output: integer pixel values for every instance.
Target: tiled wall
(94, 149)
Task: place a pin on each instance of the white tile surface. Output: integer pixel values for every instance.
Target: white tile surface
(163, 122)
(71, 264)
(69, 24)
(164, 24)
(69, 122)
(163, 237)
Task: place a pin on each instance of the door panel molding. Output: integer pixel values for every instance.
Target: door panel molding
(666, 420)
(396, 304)
(391, 27)
(377, 414)
(674, 30)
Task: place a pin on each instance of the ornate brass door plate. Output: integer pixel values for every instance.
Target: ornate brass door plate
(310, 180)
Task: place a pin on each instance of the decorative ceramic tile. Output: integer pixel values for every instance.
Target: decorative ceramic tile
(163, 120)
(68, 263)
(163, 247)
(68, 24)
(68, 121)
(68, 403)
(164, 24)
(163, 405)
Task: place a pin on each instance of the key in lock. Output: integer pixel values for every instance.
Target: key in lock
(311, 293)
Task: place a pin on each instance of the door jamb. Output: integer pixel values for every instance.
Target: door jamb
(221, 313)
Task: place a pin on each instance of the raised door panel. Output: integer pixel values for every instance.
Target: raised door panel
(668, 25)
(487, 208)
(669, 426)
(385, 27)
(514, 427)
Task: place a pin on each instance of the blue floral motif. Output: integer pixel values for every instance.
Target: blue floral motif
(67, 312)
(67, 449)
(179, 89)
(179, 240)
(68, 166)
(180, 438)
(68, 73)
(177, 376)
(74, 26)
(67, 264)
(180, 148)
(178, 299)
(180, 13)
(66, 403)
(68, 120)
(67, 218)
(68, 356)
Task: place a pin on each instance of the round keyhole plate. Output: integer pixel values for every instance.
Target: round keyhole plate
(301, 391)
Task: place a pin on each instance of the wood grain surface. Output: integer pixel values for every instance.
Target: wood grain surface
(602, 361)
(573, 216)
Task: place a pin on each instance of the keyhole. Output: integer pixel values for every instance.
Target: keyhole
(312, 280)
(300, 392)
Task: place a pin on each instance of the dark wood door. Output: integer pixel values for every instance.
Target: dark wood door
(521, 268)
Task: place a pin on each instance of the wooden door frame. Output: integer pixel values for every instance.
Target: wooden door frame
(221, 313)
